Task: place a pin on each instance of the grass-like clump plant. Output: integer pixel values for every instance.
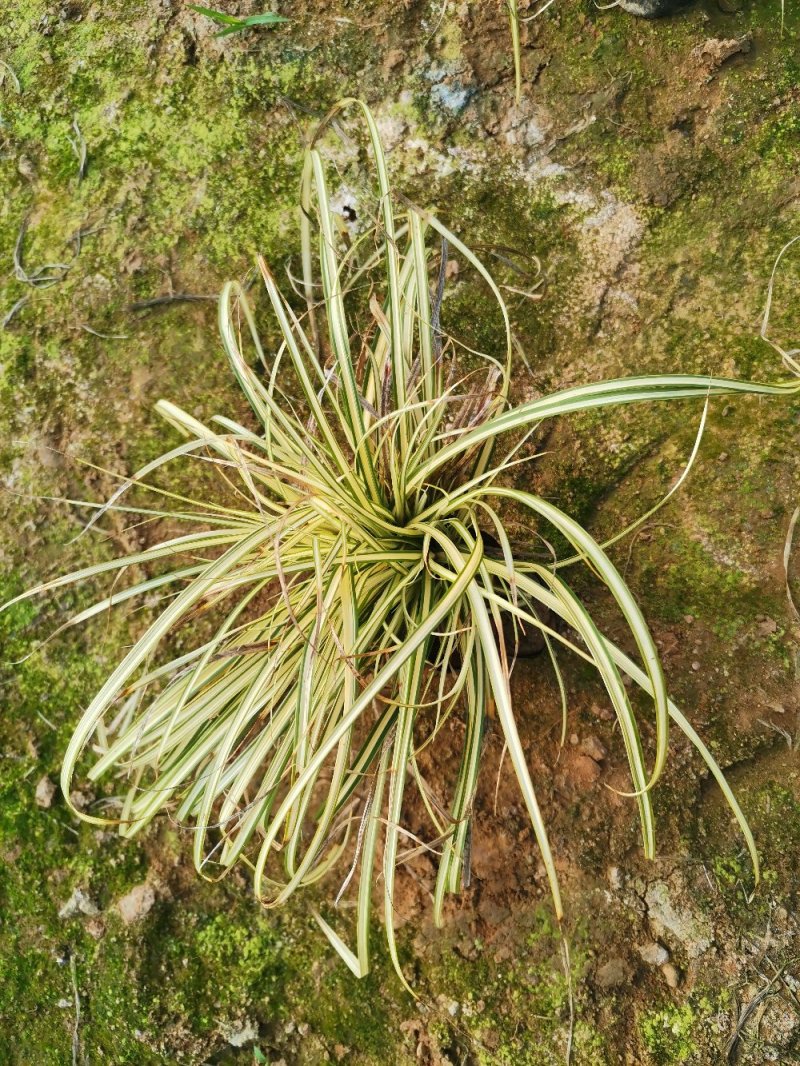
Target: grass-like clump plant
(351, 583)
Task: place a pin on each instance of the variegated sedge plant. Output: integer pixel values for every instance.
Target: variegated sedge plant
(357, 602)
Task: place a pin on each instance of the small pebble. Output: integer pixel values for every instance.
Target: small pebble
(26, 168)
(583, 771)
(79, 903)
(241, 1033)
(601, 712)
(45, 793)
(96, 928)
(654, 954)
(614, 972)
(135, 904)
(394, 58)
(592, 747)
(79, 800)
(671, 975)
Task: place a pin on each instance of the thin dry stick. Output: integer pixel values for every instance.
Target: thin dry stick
(14, 311)
(104, 336)
(565, 958)
(5, 69)
(787, 552)
(42, 277)
(732, 1046)
(78, 144)
(538, 12)
(787, 356)
(76, 1040)
(172, 298)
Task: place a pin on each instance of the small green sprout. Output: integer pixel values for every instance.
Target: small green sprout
(234, 24)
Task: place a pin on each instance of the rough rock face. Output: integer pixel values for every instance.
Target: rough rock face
(632, 206)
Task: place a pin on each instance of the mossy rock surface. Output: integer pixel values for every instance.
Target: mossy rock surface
(655, 186)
